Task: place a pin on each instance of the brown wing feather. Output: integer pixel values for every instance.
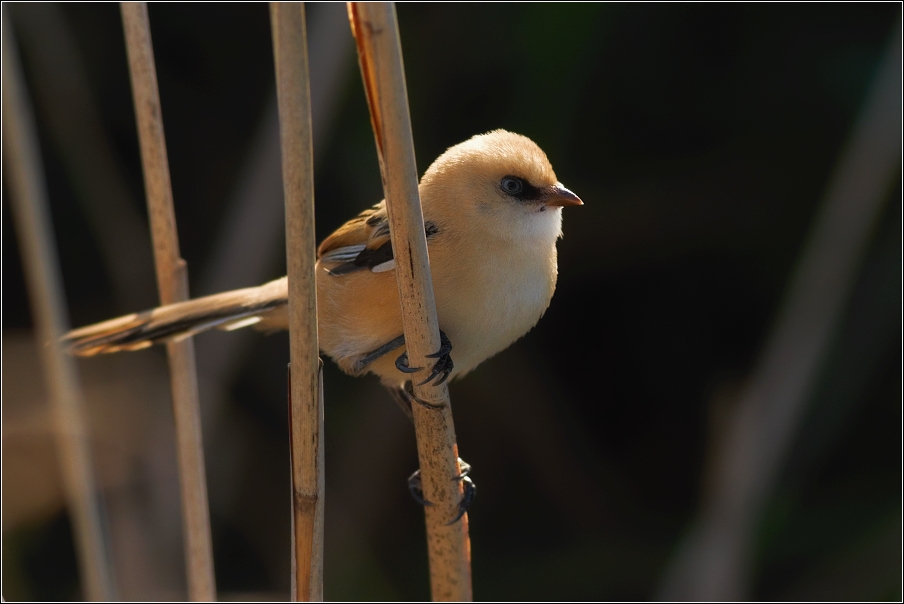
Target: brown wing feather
(370, 228)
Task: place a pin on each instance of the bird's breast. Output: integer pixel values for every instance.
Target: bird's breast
(488, 303)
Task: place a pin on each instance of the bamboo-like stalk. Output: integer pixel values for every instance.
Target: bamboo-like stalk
(380, 55)
(715, 560)
(67, 105)
(172, 281)
(305, 389)
(42, 275)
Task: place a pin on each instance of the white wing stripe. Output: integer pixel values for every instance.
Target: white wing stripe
(343, 254)
(384, 266)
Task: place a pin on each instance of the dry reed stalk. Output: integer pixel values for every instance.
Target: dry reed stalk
(715, 560)
(305, 389)
(172, 281)
(380, 55)
(75, 128)
(42, 275)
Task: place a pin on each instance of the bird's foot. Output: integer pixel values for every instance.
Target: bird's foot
(405, 396)
(442, 367)
(470, 490)
(416, 487)
(466, 500)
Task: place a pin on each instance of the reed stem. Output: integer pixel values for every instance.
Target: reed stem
(42, 275)
(715, 560)
(380, 56)
(172, 281)
(305, 387)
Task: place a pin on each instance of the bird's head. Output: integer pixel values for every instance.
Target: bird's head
(500, 182)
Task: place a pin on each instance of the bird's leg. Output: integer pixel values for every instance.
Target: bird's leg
(404, 395)
(416, 488)
(443, 366)
(373, 355)
(402, 399)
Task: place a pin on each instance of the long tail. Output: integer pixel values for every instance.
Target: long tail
(229, 310)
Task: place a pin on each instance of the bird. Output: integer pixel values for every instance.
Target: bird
(492, 208)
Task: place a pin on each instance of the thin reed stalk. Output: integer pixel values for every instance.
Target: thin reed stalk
(74, 126)
(172, 281)
(42, 275)
(305, 389)
(715, 561)
(380, 56)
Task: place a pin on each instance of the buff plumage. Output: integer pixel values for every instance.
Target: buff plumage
(492, 210)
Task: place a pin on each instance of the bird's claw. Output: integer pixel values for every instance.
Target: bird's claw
(415, 486)
(407, 393)
(445, 346)
(401, 364)
(466, 499)
(470, 490)
(443, 366)
(465, 469)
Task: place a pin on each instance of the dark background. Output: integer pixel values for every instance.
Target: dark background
(701, 139)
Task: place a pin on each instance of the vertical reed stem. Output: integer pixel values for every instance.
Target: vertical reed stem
(42, 275)
(715, 561)
(305, 389)
(380, 55)
(172, 281)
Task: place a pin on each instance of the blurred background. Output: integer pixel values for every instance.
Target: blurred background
(703, 139)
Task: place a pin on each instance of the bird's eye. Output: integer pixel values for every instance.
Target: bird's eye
(512, 185)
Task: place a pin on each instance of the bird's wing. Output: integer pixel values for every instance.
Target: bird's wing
(362, 243)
